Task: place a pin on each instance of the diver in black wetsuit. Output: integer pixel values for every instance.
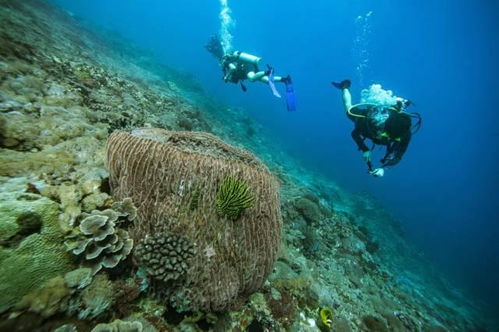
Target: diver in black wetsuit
(238, 66)
(388, 126)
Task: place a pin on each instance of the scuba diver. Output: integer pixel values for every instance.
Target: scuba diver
(390, 126)
(238, 66)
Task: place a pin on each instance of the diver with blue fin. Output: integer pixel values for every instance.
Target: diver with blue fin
(238, 66)
(390, 126)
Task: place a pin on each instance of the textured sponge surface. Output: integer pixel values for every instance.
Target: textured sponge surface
(164, 172)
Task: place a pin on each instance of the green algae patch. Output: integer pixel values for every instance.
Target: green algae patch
(28, 267)
(16, 163)
(23, 213)
(31, 250)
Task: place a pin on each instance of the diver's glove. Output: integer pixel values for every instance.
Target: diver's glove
(378, 172)
(345, 84)
(367, 156)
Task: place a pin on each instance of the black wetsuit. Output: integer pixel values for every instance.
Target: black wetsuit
(241, 71)
(239, 74)
(371, 126)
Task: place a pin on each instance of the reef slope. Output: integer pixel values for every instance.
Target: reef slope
(63, 90)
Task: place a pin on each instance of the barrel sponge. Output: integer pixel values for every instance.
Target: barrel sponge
(174, 179)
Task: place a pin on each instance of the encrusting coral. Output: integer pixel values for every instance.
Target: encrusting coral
(165, 256)
(48, 300)
(29, 256)
(79, 278)
(233, 198)
(164, 172)
(119, 326)
(98, 238)
(94, 300)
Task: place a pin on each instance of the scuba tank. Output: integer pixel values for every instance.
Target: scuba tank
(246, 57)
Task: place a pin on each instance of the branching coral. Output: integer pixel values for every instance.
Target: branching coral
(234, 197)
(165, 256)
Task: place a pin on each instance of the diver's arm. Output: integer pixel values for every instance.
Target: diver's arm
(359, 140)
(391, 162)
(397, 151)
(229, 68)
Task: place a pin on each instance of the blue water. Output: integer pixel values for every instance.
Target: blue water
(440, 54)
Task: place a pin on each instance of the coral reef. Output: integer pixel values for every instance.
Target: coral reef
(232, 259)
(23, 213)
(30, 252)
(79, 278)
(27, 267)
(119, 326)
(98, 238)
(49, 299)
(66, 328)
(127, 292)
(94, 300)
(166, 256)
(63, 90)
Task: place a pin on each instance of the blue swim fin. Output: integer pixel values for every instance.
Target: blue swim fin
(290, 94)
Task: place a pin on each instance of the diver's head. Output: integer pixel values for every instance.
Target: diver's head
(398, 125)
(402, 104)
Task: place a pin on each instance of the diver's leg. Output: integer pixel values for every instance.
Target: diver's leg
(265, 79)
(347, 99)
(259, 76)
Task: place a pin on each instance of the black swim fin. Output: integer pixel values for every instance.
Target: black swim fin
(345, 84)
(287, 80)
(243, 87)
